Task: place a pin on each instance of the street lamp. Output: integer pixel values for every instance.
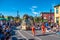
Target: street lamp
(50, 14)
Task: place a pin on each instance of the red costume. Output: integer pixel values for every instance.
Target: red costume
(33, 31)
(43, 29)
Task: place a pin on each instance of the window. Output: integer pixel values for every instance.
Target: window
(56, 10)
(57, 20)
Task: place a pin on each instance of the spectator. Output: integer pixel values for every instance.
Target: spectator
(7, 32)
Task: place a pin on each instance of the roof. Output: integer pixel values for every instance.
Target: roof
(47, 12)
(57, 5)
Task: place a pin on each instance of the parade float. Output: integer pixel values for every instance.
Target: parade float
(26, 23)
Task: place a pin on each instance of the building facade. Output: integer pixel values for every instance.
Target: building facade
(57, 14)
(49, 16)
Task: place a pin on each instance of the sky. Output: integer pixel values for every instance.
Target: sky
(30, 7)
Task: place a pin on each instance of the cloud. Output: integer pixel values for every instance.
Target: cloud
(32, 9)
(35, 12)
(34, 6)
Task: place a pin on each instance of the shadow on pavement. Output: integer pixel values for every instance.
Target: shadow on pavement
(58, 33)
(13, 33)
(14, 28)
(14, 38)
(45, 34)
(25, 39)
(21, 39)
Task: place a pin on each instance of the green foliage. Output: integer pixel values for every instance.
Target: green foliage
(10, 17)
(37, 19)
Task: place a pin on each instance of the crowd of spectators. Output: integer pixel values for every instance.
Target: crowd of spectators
(5, 29)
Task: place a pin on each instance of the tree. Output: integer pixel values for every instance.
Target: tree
(31, 17)
(37, 19)
(25, 16)
(10, 17)
(2, 16)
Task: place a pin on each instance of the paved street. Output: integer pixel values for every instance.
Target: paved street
(15, 34)
(29, 19)
(27, 35)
